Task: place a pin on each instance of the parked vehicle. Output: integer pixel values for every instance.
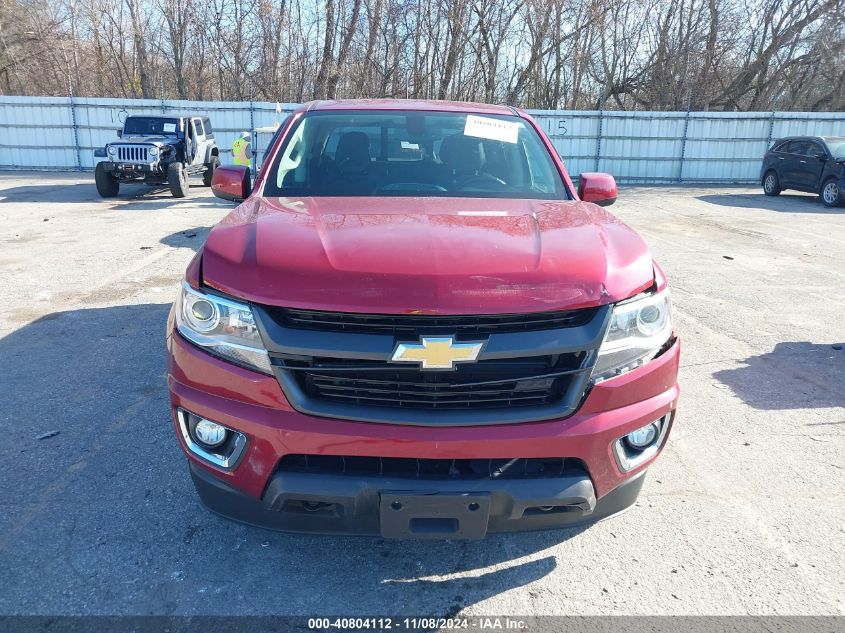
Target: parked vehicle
(414, 325)
(815, 164)
(158, 150)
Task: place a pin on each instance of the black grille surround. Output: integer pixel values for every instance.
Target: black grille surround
(411, 324)
(520, 376)
(424, 468)
(488, 384)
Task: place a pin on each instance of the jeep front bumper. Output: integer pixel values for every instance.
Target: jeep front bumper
(132, 168)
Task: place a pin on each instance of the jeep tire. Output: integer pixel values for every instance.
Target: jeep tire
(177, 177)
(210, 168)
(107, 185)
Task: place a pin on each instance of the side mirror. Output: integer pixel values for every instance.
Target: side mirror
(231, 182)
(120, 133)
(598, 188)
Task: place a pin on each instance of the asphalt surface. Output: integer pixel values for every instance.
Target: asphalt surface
(743, 514)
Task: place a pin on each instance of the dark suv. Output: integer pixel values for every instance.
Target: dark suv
(815, 164)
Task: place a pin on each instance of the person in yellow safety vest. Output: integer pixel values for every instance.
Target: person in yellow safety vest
(242, 150)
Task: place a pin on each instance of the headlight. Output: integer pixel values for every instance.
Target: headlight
(222, 327)
(639, 328)
(152, 152)
(112, 150)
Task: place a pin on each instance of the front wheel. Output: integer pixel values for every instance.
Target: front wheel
(210, 168)
(177, 178)
(107, 185)
(831, 194)
(771, 184)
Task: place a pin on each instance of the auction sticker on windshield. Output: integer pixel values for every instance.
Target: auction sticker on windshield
(492, 129)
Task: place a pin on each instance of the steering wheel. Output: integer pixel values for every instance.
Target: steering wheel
(483, 180)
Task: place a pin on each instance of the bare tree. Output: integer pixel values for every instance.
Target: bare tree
(139, 36)
(649, 54)
(178, 17)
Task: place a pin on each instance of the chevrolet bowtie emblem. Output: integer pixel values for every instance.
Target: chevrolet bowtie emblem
(436, 352)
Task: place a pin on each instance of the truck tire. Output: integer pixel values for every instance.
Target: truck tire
(177, 177)
(107, 185)
(831, 194)
(210, 168)
(771, 183)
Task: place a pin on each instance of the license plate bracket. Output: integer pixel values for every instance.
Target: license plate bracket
(438, 515)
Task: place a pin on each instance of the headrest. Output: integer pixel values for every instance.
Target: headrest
(464, 154)
(353, 153)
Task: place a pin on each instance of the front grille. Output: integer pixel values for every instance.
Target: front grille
(490, 384)
(132, 153)
(414, 468)
(410, 324)
(338, 365)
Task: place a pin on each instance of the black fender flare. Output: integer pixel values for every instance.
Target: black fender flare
(210, 151)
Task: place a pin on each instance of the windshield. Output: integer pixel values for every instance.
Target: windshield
(837, 148)
(415, 154)
(146, 126)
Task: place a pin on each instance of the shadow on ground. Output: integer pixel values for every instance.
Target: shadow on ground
(104, 518)
(189, 238)
(784, 203)
(799, 375)
(132, 197)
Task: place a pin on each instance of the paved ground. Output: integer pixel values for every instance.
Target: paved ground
(745, 512)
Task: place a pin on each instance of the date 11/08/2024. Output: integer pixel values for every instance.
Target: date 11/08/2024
(416, 624)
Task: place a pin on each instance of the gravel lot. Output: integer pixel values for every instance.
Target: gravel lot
(745, 512)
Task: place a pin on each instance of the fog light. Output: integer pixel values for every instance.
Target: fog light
(210, 433)
(641, 438)
(211, 441)
(638, 447)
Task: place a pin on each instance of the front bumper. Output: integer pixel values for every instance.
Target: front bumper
(407, 508)
(256, 492)
(132, 169)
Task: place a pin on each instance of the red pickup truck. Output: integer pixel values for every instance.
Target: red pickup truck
(414, 325)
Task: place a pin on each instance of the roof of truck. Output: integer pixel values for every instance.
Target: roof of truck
(410, 105)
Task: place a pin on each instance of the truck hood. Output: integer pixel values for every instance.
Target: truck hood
(152, 140)
(430, 255)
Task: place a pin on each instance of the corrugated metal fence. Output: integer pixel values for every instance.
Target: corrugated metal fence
(637, 147)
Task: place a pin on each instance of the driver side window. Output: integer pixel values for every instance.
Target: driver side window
(815, 150)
